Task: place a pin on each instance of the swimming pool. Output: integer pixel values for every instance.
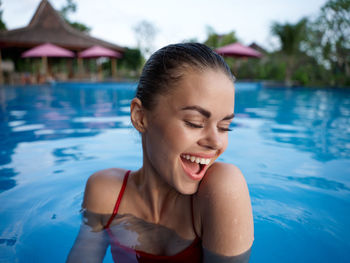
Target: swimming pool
(292, 144)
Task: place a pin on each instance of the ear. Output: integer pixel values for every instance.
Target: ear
(138, 115)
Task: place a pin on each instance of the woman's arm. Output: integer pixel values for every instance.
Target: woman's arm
(92, 241)
(89, 246)
(226, 215)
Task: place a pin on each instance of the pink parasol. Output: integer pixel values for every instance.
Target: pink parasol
(238, 50)
(98, 51)
(47, 50)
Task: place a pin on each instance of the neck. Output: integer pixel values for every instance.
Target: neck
(155, 192)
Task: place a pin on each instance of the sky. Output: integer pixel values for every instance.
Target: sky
(175, 20)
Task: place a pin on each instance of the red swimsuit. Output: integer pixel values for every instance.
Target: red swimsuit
(123, 254)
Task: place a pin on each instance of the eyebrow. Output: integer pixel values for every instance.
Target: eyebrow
(206, 113)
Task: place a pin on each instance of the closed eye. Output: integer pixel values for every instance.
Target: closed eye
(193, 125)
(224, 129)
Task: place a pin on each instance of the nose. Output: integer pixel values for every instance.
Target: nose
(212, 139)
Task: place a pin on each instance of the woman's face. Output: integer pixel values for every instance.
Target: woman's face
(187, 129)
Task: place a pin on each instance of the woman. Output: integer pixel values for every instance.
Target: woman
(181, 205)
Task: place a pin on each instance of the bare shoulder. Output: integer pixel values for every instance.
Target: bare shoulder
(222, 177)
(101, 190)
(225, 210)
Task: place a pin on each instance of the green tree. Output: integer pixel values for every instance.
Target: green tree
(132, 59)
(329, 40)
(71, 7)
(291, 37)
(2, 23)
(270, 67)
(214, 40)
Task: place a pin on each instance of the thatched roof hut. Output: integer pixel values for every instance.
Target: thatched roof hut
(47, 25)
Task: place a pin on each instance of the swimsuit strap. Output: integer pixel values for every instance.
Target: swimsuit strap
(193, 225)
(116, 207)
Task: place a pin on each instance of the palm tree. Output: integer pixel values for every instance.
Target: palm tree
(290, 36)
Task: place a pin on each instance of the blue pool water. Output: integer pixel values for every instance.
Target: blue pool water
(293, 145)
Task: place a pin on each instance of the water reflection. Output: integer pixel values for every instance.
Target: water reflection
(65, 154)
(317, 121)
(6, 179)
(8, 241)
(318, 182)
(41, 113)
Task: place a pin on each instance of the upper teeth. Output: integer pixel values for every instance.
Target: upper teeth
(196, 159)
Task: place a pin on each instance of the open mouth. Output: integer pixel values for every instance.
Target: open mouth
(194, 166)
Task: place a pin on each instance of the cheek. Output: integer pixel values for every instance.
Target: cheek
(163, 141)
(174, 137)
(224, 140)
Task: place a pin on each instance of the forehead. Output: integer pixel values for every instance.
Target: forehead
(210, 89)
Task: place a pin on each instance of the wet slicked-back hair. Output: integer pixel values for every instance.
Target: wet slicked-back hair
(167, 65)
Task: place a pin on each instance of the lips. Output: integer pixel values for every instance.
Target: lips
(194, 166)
